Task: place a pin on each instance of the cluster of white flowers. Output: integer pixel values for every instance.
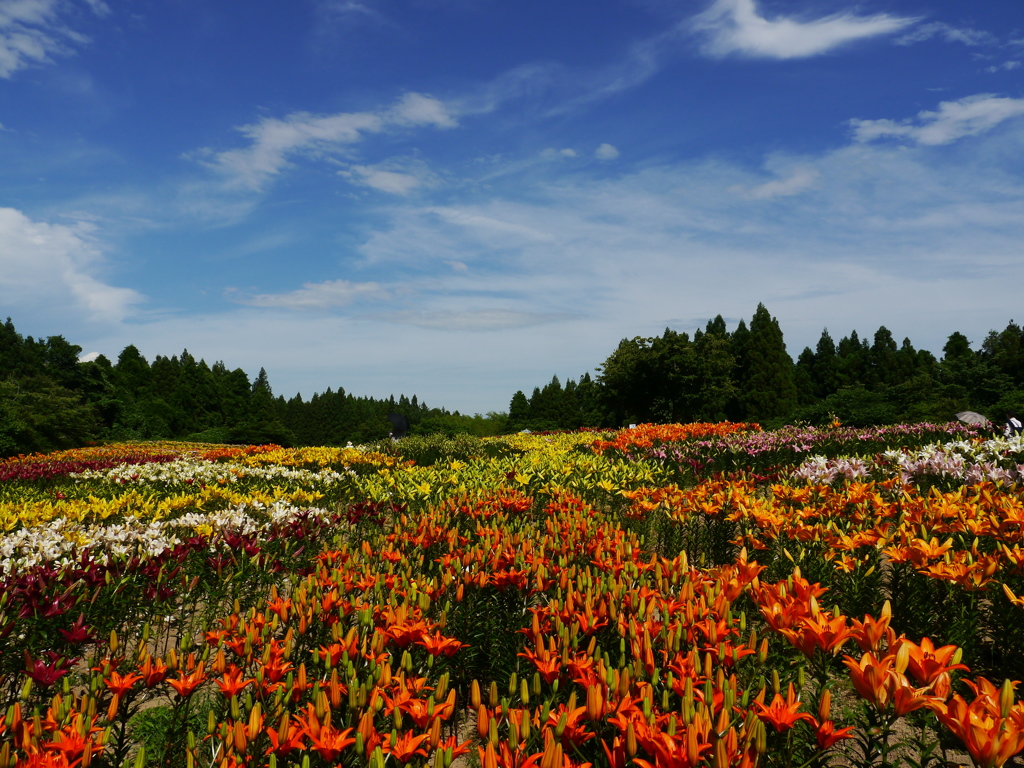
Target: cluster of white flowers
(59, 542)
(190, 470)
(999, 460)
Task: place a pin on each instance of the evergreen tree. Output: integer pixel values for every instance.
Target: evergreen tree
(770, 391)
(518, 411)
(803, 377)
(852, 361)
(882, 368)
(740, 343)
(715, 363)
(824, 374)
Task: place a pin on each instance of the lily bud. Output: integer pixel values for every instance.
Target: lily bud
(1006, 699)
(825, 705)
(902, 658)
(482, 721)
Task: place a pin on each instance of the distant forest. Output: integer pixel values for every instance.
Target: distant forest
(747, 375)
(49, 399)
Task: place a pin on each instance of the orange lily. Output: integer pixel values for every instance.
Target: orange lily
(991, 731)
(437, 644)
(285, 737)
(120, 684)
(186, 684)
(927, 662)
(783, 714)
(405, 747)
(327, 740)
(550, 669)
(571, 724)
(873, 678)
(153, 671)
(827, 735)
(231, 682)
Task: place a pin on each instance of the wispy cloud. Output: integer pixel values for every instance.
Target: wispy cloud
(57, 265)
(606, 152)
(393, 182)
(273, 141)
(1006, 66)
(953, 120)
(397, 176)
(799, 180)
(551, 153)
(474, 319)
(312, 296)
(33, 32)
(736, 27)
(346, 8)
(948, 33)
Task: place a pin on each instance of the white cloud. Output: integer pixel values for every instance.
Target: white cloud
(953, 120)
(56, 265)
(606, 152)
(32, 33)
(736, 27)
(275, 140)
(415, 109)
(392, 182)
(800, 180)
(1006, 66)
(313, 296)
(947, 32)
(555, 154)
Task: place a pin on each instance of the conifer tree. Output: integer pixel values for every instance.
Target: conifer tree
(770, 391)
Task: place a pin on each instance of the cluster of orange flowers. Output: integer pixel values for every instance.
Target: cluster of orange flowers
(970, 537)
(647, 435)
(898, 676)
(624, 657)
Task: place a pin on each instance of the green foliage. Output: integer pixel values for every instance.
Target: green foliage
(162, 730)
(39, 415)
(747, 375)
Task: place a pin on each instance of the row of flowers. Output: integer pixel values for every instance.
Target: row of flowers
(783, 449)
(530, 637)
(555, 608)
(999, 460)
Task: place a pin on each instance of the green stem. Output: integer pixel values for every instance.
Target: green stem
(885, 739)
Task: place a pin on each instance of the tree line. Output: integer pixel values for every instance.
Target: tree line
(747, 375)
(50, 399)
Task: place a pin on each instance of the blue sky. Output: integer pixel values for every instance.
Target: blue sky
(460, 199)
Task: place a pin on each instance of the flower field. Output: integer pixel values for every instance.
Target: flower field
(658, 597)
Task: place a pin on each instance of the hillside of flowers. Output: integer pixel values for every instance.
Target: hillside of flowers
(664, 596)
